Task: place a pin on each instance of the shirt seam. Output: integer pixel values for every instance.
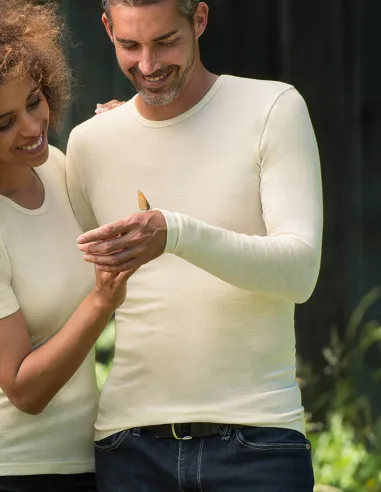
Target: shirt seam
(85, 192)
(268, 117)
(5, 256)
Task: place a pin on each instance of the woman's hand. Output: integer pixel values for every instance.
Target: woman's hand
(102, 108)
(111, 288)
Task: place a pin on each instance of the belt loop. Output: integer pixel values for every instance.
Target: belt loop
(226, 432)
(137, 431)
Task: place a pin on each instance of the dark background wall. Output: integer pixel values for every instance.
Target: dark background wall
(328, 50)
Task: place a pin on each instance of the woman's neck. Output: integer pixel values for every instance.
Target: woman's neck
(23, 186)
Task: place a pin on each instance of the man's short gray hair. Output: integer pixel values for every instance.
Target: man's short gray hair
(186, 8)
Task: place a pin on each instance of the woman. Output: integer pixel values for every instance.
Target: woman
(52, 308)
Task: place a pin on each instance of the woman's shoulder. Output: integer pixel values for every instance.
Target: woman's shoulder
(57, 156)
(54, 168)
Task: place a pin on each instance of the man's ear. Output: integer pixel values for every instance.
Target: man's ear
(201, 19)
(107, 25)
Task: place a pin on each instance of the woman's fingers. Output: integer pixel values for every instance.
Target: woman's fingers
(102, 108)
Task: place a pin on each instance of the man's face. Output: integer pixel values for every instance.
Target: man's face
(156, 49)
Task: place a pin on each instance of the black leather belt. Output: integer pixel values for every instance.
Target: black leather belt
(185, 432)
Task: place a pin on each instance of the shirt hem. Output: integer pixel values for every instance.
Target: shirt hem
(9, 309)
(298, 426)
(25, 469)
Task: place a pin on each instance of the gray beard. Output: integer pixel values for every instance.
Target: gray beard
(172, 93)
(162, 99)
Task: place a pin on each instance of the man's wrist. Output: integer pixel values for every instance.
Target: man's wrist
(160, 228)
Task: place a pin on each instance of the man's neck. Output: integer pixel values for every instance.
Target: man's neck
(201, 81)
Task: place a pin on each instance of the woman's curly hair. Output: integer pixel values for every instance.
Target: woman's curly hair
(30, 44)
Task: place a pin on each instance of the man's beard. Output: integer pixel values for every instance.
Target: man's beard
(171, 91)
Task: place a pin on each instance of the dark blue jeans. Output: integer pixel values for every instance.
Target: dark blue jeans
(249, 460)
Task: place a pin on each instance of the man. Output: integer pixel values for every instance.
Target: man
(202, 394)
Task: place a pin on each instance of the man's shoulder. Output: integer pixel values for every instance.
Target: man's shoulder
(102, 124)
(256, 90)
(256, 98)
(258, 85)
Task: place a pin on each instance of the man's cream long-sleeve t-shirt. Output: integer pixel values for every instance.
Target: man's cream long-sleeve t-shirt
(207, 330)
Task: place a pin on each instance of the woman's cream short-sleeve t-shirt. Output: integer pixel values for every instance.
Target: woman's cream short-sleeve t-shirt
(43, 274)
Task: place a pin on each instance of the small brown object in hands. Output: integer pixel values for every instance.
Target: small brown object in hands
(143, 202)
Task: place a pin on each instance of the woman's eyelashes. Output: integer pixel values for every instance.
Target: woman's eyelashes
(31, 106)
(7, 126)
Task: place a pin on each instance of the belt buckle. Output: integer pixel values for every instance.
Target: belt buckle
(186, 438)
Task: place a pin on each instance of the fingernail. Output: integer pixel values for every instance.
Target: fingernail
(80, 240)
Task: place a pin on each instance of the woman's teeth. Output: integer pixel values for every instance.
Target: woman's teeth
(35, 146)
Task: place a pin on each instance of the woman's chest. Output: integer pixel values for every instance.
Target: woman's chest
(48, 275)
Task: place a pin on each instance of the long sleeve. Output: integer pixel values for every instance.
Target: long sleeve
(78, 197)
(286, 261)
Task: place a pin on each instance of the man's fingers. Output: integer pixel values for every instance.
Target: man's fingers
(109, 231)
(108, 247)
(111, 260)
(126, 267)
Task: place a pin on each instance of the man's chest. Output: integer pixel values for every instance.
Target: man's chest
(214, 180)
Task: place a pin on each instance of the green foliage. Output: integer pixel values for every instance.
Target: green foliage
(347, 454)
(105, 353)
(353, 380)
(342, 462)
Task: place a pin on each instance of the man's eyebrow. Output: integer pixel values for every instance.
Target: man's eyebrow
(159, 38)
(32, 92)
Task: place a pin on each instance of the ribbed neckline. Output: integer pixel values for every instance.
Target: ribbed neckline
(188, 114)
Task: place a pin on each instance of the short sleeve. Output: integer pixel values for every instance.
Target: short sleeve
(8, 301)
(78, 198)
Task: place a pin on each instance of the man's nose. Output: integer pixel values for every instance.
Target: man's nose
(148, 63)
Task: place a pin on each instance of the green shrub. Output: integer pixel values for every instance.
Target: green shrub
(343, 463)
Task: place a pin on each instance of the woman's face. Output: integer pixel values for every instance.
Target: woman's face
(24, 122)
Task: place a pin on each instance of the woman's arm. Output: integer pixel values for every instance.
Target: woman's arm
(30, 379)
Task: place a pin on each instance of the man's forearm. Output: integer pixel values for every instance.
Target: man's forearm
(281, 266)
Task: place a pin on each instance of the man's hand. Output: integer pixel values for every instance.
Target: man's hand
(126, 244)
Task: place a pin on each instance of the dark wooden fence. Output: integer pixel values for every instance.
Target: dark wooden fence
(329, 50)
